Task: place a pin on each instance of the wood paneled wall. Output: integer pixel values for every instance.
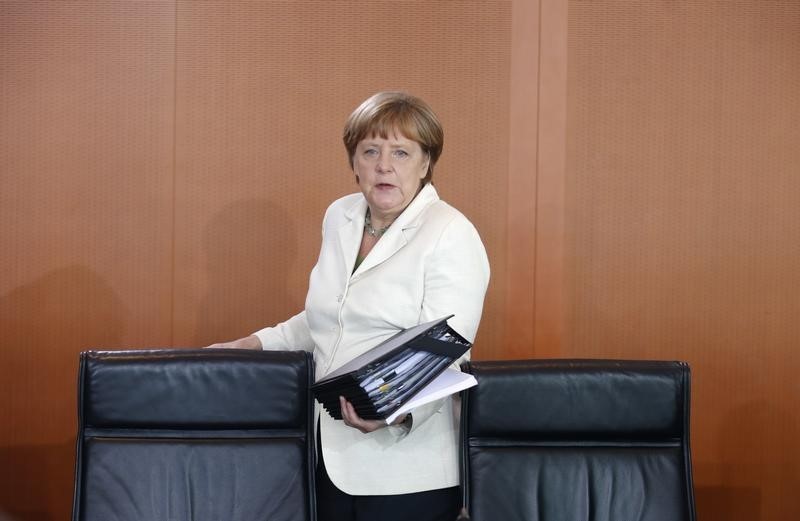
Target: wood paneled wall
(683, 224)
(632, 169)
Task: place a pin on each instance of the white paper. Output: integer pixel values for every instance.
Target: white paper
(450, 381)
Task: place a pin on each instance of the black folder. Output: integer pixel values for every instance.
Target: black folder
(384, 378)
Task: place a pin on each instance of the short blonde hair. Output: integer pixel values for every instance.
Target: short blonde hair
(387, 112)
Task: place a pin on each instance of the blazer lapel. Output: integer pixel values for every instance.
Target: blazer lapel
(391, 241)
(398, 234)
(350, 235)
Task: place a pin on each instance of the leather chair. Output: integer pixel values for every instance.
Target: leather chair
(201, 435)
(577, 440)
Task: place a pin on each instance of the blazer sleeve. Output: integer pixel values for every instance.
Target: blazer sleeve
(456, 279)
(291, 334)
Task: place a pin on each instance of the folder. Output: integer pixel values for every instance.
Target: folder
(406, 370)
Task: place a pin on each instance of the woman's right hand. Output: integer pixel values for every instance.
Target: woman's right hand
(248, 342)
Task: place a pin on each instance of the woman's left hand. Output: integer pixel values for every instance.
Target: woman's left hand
(352, 419)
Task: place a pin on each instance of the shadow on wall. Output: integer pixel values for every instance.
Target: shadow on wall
(45, 324)
(755, 461)
(728, 503)
(37, 482)
(250, 247)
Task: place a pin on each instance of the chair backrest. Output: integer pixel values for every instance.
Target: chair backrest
(204, 435)
(577, 440)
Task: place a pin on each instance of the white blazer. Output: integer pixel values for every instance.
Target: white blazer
(430, 263)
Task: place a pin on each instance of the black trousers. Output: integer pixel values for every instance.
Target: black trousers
(433, 505)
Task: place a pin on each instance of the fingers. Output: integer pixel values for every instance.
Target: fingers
(249, 342)
(350, 416)
(221, 345)
(352, 419)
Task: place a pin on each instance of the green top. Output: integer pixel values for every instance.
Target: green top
(359, 260)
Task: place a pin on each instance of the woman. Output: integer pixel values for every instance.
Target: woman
(392, 256)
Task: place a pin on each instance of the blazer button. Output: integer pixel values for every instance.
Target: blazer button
(339, 298)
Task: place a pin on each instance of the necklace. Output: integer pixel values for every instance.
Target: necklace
(370, 229)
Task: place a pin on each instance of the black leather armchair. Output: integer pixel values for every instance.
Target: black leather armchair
(577, 440)
(201, 435)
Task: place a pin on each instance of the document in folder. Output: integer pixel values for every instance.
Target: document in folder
(398, 374)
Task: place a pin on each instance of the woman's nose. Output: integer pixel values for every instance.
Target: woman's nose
(384, 163)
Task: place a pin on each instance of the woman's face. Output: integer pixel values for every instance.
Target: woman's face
(389, 172)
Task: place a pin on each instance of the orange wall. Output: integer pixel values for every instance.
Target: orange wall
(683, 224)
(632, 170)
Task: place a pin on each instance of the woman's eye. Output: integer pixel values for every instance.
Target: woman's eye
(400, 154)
(370, 152)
